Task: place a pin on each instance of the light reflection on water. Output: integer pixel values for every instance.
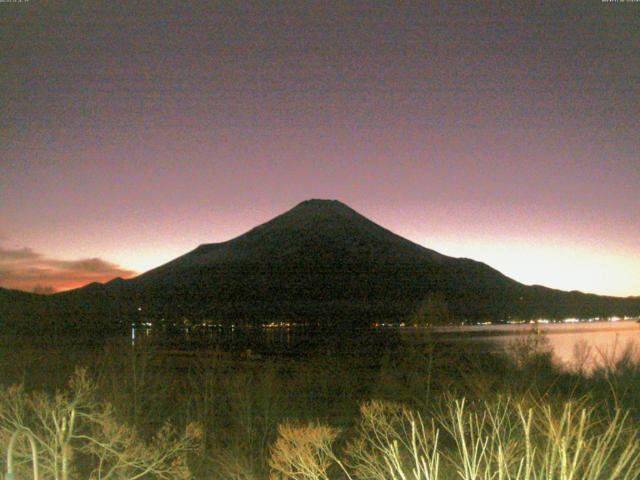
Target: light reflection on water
(583, 344)
(577, 345)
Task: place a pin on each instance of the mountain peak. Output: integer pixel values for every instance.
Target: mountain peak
(319, 215)
(313, 229)
(320, 204)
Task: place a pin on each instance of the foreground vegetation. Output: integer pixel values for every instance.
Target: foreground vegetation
(429, 411)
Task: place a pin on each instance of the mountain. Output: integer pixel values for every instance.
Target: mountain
(21, 307)
(319, 262)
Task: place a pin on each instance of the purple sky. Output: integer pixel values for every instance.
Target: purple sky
(131, 132)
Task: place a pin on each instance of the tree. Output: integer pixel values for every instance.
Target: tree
(77, 435)
(433, 310)
(303, 453)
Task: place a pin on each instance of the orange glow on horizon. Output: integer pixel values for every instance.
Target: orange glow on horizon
(560, 266)
(58, 285)
(565, 268)
(537, 259)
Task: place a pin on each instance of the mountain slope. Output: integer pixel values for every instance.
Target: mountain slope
(321, 262)
(312, 228)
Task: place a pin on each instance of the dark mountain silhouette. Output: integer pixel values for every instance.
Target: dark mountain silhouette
(319, 262)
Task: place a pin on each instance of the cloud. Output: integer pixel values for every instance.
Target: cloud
(25, 269)
(88, 265)
(18, 254)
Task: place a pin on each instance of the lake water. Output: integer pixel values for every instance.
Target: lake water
(574, 345)
(581, 345)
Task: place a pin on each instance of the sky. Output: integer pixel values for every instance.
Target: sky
(506, 132)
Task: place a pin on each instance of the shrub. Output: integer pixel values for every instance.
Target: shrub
(503, 439)
(77, 435)
(303, 453)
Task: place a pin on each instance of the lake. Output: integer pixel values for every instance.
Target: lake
(583, 345)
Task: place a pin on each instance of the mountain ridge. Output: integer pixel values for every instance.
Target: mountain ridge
(320, 261)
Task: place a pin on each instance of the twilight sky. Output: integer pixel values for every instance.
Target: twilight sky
(131, 132)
